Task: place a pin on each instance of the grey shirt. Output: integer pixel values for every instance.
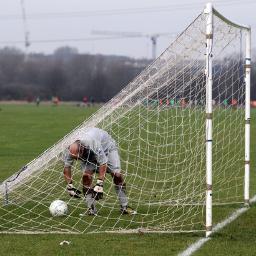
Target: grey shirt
(98, 141)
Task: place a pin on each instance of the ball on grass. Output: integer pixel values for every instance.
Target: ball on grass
(58, 208)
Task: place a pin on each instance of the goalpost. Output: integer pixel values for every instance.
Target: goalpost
(179, 127)
(210, 12)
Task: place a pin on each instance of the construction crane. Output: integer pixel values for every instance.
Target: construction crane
(25, 26)
(120, 34)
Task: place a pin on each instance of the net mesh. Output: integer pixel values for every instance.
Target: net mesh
(158, 122)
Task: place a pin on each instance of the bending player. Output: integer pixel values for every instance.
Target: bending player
(97, 151)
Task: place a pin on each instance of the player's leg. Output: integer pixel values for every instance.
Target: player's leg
(120, 186)
(88, 191)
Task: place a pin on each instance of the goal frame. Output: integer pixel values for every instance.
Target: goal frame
(34, 166)
(209, 11)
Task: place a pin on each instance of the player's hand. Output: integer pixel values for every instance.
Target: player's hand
(72, 191)
(98, 190)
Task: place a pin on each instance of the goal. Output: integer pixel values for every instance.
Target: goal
(183, 131)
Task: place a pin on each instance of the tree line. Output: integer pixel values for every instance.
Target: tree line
(65, 74)
(69, 75)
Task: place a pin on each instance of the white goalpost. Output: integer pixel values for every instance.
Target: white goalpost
(247, 116)
(209, 11)
(209, 81)
(179, 128)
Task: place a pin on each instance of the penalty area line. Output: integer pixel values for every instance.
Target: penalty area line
(199, 243)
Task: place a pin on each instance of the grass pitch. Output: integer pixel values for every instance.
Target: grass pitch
(26, 130)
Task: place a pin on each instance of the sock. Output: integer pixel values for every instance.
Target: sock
(89, 200)
(120, 191)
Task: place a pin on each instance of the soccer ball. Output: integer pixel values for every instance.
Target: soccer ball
(58, 208)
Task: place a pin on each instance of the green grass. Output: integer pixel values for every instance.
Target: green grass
(238, 238)
(27, 130)
(100, 244)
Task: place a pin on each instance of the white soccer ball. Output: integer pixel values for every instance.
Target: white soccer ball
(58, 208)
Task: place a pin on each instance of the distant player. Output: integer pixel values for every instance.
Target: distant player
(38, 101)
(97, 151)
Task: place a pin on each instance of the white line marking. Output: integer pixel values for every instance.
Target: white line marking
(199, 243)
(194, 247)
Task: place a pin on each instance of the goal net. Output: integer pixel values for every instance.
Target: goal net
(159, 123)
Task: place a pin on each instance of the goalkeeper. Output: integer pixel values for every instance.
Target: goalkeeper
(97, 152)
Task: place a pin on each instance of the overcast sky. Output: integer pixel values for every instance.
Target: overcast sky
(51, 21)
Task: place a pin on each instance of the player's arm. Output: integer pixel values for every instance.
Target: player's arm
(102, 161)
(72, 191)
(102, 172)
(67, 174)
(97, 150)
(98, 188)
